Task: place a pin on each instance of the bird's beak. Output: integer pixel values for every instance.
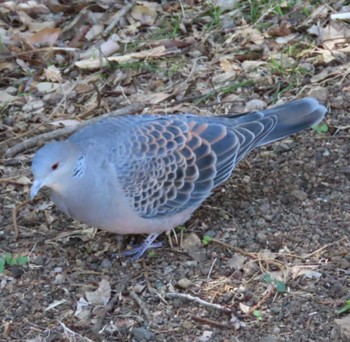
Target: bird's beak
(37, 184)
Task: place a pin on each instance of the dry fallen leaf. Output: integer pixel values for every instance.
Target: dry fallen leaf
(307, 271)
(53, 74)
(65, 123)
(101, 296)
(7, 98)
(31, 6)
(47, 87)
(83, 311)
(244, 308)
(144, 13)
(47, 36)
(23, 180)
(252, 35)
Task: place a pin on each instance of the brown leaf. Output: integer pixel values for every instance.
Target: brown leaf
(281, 30)
(47, 36)
(53, 74)
(146, 15)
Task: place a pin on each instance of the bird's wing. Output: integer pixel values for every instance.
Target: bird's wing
(168, 164)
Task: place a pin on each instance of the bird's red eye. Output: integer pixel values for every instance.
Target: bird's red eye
(54, 166)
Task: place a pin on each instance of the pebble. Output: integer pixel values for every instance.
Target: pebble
(269, 338)
(59, 279)
(142, 334)
(320, 93)
(253, 105)
(106, 263)
(343, 327)
(184, 283)
(299, 195)
(187, 325)
(264, 207)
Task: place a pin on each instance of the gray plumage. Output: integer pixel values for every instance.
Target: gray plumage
(148, 173)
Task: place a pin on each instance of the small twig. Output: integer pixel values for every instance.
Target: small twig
(271, 291)
(115, 20)
(235, 249)
(14, 218)
(332, 137)
(70, 334)
(211, 268)
(25, 145)
(171, 295)
(219, 209)
(98, 104)
(141, 304)
(322, 249)
(213, 323)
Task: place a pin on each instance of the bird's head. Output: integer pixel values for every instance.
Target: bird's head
(52, 165)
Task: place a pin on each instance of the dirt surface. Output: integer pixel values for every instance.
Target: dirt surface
(265, 258)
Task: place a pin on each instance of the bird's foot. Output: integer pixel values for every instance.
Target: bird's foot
(138, 251)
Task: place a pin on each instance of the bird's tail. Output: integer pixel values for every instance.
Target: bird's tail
(293, 117)
(263, 127)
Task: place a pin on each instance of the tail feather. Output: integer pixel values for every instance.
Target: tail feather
(293, 117)
(263, 127)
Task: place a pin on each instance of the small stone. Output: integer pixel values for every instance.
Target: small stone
(268, 338)
(299, 195)
(261, 237)
(184, 283)
(246, 179)
(59, 279)
(253, 105)
(264, 207)
(284, 146)
(187, 325)
(326, 153)
(211, 233)
(343, 326)
(192, 244)
(39, 260)
(106, 263)
(319, 93)
(191, 241)
(142, 334)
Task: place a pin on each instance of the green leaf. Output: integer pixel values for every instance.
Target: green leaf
(152, 253)
(257, 314)
(22, 260)
(181, 228)
(345, 308)
(322, 128)
(206, 239)
(2, 264)
(9, 260)
(280, 286)
(267, 278)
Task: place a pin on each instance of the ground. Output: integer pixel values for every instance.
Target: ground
(265, 258)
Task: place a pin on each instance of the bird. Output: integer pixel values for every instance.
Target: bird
(147, 174)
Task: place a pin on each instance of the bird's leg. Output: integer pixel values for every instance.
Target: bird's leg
(138, 251)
